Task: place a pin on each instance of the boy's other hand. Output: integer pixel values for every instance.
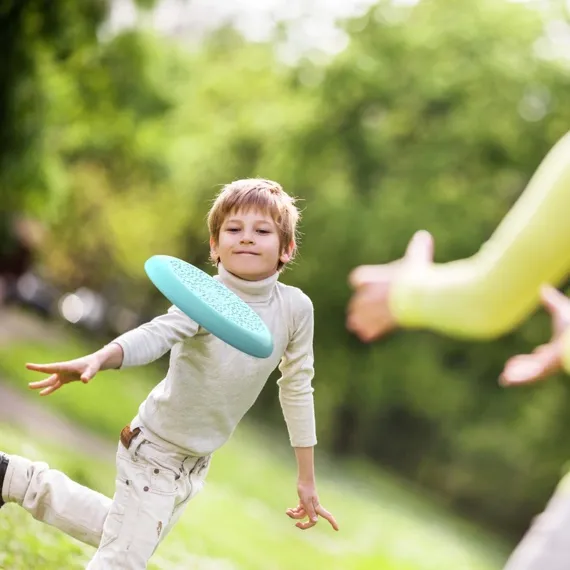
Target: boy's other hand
(81, 369)
(309, 507)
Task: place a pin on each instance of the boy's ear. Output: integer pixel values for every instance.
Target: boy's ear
(287, 252)
(213, 247)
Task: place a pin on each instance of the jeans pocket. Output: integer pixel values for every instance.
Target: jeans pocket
(160, 477)
(162, 480)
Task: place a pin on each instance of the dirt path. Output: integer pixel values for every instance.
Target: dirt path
(20, 411)
(19, 325)
(29, 415)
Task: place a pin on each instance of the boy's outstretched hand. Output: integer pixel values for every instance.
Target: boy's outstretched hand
(309, 507)
(81, 369)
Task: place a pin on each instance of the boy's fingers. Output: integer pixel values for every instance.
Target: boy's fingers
(88, 374)
(50, 389)
(305, 525)
(300, 512)
(43, 383)
(295, 509)
(328, 516)
(310, 510)
(47, 368)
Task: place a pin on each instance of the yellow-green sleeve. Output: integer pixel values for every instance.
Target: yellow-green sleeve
(566, 351)
(492, 292)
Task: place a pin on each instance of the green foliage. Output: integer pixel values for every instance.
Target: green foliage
(32, 31)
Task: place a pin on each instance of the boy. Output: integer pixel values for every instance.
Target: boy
(164, 454)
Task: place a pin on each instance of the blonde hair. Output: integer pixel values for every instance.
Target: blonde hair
(260, 194)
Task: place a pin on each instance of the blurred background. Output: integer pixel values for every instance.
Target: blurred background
(119, 120)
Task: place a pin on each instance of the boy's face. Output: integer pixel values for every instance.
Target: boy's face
(248, 245)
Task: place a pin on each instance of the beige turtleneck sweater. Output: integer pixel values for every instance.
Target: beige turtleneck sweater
(210, 385)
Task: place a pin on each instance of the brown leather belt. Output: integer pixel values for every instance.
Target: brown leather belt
(127, 435)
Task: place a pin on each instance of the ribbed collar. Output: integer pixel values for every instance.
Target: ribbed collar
(249, 291)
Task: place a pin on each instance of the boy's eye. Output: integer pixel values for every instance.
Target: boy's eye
(263, 231)
(233, 230)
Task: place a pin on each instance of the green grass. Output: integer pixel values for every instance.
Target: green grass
(238, 522)
(26, 543)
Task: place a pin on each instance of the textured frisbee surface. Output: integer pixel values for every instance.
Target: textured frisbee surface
(211, 304)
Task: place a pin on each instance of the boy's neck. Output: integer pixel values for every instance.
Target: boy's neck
(249, 290)
(252, 280)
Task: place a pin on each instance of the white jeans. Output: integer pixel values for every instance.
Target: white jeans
(153, 486)
(546, 545)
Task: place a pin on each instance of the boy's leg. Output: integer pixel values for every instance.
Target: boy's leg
(195, 480)
(547, 543)
(151, 493)
(52, 497)
(149, 486)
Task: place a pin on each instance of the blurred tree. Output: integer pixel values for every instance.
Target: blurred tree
(33, 32)
(156, 132)
(29, 31)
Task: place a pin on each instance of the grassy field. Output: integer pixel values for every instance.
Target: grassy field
(238, 522)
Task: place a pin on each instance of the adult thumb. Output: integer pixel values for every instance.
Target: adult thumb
(420, 248)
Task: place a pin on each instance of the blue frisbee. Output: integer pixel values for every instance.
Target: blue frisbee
(211, 304)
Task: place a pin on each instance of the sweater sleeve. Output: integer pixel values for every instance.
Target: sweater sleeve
(297, 371)
(152, 340)
(490, 293)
